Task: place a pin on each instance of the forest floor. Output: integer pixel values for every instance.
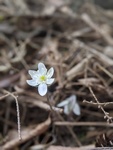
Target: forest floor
(79, 46)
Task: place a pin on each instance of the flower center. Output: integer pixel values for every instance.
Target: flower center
(43, 78)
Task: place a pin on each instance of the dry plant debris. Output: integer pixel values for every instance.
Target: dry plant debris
(79, 45)
(70, 148)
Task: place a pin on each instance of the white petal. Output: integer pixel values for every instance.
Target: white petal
(50, 81)
(76, 109)
(50, 72)
(42, 69)
(31, 82)
(34, 74)
(42, 89)
(31, 72)
(72, 98)
(63, 103)
(71, 105)
(66, 110)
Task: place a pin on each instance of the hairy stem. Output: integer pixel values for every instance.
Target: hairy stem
(18, 119)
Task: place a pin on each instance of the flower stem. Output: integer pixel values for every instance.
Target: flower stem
(49, 103)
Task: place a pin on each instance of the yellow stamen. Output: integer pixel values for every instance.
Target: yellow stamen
(43, 78)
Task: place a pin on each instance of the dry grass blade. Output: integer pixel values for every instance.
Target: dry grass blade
(77, 69)
(90, 147)
(99, 30)
(83, 124)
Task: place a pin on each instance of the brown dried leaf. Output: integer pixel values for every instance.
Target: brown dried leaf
(27, 134)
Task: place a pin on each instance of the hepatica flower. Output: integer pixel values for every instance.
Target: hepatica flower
(41, 78)
(70, 105)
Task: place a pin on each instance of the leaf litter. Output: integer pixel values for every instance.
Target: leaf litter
(79, 45)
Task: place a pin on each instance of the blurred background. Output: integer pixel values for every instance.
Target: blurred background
(75, 37)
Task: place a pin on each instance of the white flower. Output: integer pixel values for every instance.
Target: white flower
(70, 104)
(41, 78)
